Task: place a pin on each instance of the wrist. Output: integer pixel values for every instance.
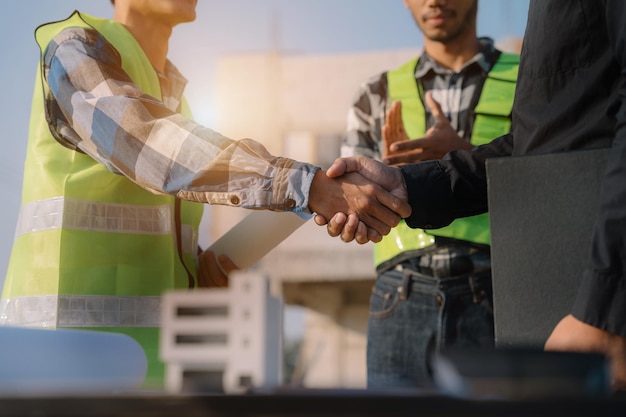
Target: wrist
(316, 191)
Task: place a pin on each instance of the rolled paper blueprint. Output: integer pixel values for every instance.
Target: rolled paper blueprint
(255, 235)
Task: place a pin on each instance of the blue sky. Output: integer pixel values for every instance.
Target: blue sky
(222, 27)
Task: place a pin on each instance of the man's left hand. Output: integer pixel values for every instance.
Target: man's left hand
(440, 139)
(571, 334)
(214, 272)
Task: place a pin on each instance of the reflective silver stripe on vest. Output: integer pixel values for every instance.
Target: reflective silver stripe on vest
(80, 311)
(70, 213)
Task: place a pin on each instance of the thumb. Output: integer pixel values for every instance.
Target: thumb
(387, 177)
(434, 107)
(343, 166)
(367, 167)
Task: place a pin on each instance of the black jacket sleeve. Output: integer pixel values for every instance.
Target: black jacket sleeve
(455, 186)
(601, 300)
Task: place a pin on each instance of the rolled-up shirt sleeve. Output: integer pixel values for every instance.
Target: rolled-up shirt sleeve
(94, 107)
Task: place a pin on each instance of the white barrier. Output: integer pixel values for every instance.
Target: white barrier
(226, 339)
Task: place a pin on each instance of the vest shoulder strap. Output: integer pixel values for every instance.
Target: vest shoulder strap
(505, 68)
(401, 81)
(498, 91)
(402, 86)
(134, 60)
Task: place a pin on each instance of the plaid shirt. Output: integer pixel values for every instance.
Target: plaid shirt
(95, 108)
(456, 92)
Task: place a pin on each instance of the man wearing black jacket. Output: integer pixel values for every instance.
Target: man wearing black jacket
(571, 95)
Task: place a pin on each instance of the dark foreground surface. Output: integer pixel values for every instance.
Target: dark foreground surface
(308, 403)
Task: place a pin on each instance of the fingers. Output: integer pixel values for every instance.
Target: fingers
(418, 150)
(393, 194)
(320, 220)
(336, 224)
(415, 145)
(362, 234)
(342, 166)
(372, 235)
(387, 141)
(393, 130)
(379, 217)
(349, 231)
(397, 209)
(402, 159)
(226, 264)
(439, 139)
(349, 228)
(209, 273)
(407, 152)
(396, 123)
(338, 168)
(357, 230)
(374, 171)
(213, 273)
(435, 108)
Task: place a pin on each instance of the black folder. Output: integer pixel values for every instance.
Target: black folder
(542, 209)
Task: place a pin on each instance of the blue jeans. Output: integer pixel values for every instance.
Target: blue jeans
(442, 298)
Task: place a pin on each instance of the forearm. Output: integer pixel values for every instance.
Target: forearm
(456, 186)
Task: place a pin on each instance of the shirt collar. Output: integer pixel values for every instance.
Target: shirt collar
(173, 85)
(484, 59)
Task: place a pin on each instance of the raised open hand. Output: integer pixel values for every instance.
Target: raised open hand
(440, 139)
(393, 130)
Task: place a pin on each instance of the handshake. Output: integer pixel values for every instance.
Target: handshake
(359, 198)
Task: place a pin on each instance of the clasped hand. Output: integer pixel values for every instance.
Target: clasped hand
(369, 194)
(363, 198)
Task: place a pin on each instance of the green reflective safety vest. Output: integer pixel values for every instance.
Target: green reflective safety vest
(492, 119)
(92, 249)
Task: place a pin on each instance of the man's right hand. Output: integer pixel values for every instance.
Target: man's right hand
(389, 193)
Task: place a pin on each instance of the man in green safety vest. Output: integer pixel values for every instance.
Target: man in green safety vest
(116, 174)
(433, 288)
